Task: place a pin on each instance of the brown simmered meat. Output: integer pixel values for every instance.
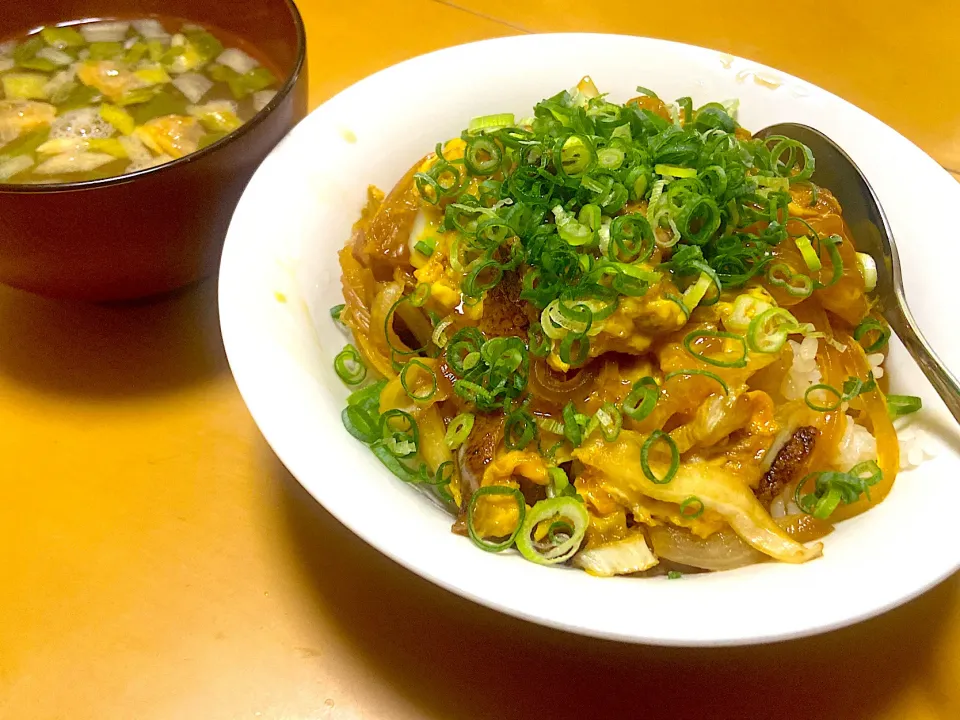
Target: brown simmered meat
(504, 313)
(791, 458)
(474, 456)
(479, 450)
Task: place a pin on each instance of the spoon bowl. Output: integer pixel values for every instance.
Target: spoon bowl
(864, 215)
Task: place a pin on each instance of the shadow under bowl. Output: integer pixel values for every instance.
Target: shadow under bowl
(159, 229)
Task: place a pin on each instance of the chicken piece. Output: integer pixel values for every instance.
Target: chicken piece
(110, 78)
(788, 461)
(18, 117)
(175, 135)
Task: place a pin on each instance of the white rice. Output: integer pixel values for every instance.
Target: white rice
(857, 445)
(876, 364)
(804, 371)
(916, 444)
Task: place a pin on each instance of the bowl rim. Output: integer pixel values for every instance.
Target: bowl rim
(260, 399)
(257, 119)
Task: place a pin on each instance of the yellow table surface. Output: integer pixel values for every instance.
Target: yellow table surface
(158, 562)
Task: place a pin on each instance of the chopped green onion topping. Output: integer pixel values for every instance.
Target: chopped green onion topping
(819, 389)
(768, 331)
(471, 509)
(519, 430)
(565, 514)
(642, 399)
(413, 385)
(459, 430)
(349, 366)
(868, 268)
(836, 260)
(832, 487)
(868, 327)
(490, 122)
(693, 371)
(809, 255)
(691, 508)
(573, 424)
(738, 360)
(900, 405)
(674, 171)
(661, 437)
(425, 247)
(781, 275)
(695, 293)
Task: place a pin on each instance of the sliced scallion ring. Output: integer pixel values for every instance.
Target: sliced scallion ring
(868, 268)
(349, 366)
(493, 490)
(781, 275)
(809, 255)
(694, 371)
(519, 430)
(768, 331)
(439, 336)
(490, 122)
(410, 381)
(868, 326)
(695, 293)
(482, 156)
(691, 508)
(828, 406)
(738, 360)
(661, 437)
(420, 295)
(459, 430)
(642, 399)
(559, 546)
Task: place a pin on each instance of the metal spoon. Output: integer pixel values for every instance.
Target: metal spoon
(862, 212)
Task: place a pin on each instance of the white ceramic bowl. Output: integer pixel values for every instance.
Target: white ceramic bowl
(296, 214)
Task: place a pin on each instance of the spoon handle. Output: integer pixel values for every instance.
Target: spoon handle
(902, 323)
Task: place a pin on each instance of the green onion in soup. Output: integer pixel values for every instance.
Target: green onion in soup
(98, 99)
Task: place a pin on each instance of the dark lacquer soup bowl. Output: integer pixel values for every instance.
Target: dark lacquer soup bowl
(158, 229)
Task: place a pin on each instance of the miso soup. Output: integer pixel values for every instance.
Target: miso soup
(88, 100)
